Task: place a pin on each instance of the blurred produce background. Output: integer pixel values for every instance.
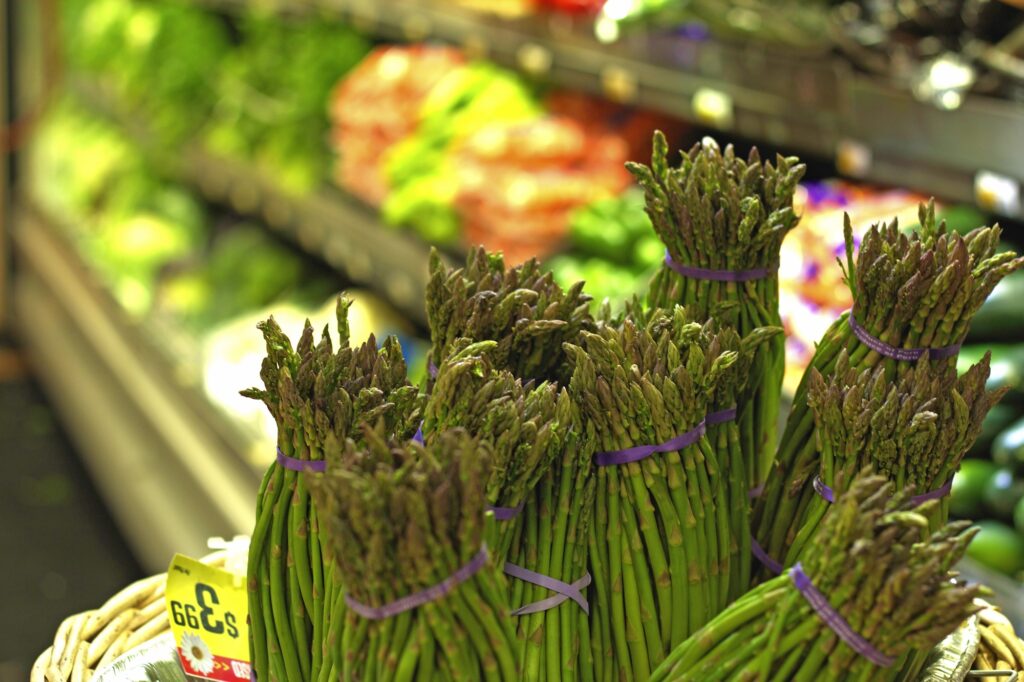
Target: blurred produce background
(186, 168)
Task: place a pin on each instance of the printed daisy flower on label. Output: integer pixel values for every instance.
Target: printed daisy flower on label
(198, 655)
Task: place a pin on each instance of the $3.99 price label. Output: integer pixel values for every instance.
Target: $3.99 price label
(207, 610)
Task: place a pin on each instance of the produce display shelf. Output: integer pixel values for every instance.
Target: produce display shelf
(173, 469)
(810, 102)
(327, 222)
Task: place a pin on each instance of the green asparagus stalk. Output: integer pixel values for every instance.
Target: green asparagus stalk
(661, 549)
(401, 518)
(876, 565)
(314, 394)
(716, 211)
(914, 432)
(521, 308)
(525, 426)
(917, 290)
(555, 644)
(529, 430)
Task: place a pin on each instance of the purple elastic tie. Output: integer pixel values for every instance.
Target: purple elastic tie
(564, 590)
(902, 354)
(720, 417)
(829, 495)
(941, 491)
(834, 620)
(762, 556)
(638, 452)
(432, 368)
(422, 597)
(717, 275)
(824, 491)
(755, 492)
(505, 513)
(418, 436)
(316, 466)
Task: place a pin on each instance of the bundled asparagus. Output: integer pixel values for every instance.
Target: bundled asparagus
(521, 308)
(723, 431)
(526, 428)
(406, 526)
(723, 220)
(873, 585)
(914, 432)
(529, 430)
(913, 295)
(314, 394)
(661, 535)
(552, 541)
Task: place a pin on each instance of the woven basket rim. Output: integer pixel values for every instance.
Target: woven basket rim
(89, 640)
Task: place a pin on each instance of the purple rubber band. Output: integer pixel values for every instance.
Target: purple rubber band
(941, 491)
(638, 452)
(432, 593)
(432, 368)
(755, 492)
(762, 556)
(718, 275)
(564, 591)
(506, 513)
(834, 620)
(720, 417)
(829, 495)
(418, 436)
(316, 466)
(826, 493)
(902, 354)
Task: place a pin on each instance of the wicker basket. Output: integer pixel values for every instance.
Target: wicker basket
(89, 640)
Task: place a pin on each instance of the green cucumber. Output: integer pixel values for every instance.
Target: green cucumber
(1018, 517)
(966, 499)
(1008, 448)
(1002, 493)
(1007, 367)
(997, 546)
(1001, 317)
(996, 421)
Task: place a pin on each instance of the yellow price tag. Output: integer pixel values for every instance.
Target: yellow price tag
(207, 609)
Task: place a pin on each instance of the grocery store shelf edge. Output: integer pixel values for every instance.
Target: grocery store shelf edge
(341, 230)
(171, 479)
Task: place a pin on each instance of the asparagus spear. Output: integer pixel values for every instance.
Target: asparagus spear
(717, 212)
(876, 567)
(520, 308)
(911, 292)
(914, 432)
(314, 393)
(400, 519)
(663, 555)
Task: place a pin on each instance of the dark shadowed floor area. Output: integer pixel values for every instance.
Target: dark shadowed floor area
(60, 552)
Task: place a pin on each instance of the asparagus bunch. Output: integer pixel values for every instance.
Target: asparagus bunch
(718, 212)
(724, 435)
(914, 432)
(529, 430)
(401, 518)
(315, 394)
(526, 427)
(875, 564)
(910, 291)
(660, 539)
(552, 540)
(521, 308)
